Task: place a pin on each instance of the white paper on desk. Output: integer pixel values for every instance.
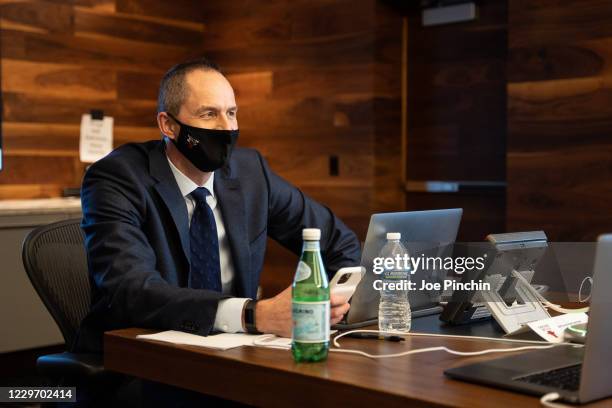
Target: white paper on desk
(270, 340)
(222, 341)
(552, 329)
(96, 138)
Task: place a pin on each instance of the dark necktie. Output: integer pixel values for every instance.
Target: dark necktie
(205, 267)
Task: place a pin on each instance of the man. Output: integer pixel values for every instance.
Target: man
(176, 228)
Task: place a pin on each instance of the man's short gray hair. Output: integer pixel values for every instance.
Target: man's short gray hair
(173, 90)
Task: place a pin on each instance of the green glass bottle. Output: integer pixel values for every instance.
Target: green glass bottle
(310, 302)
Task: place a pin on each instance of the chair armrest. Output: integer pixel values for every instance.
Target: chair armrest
(67, 364)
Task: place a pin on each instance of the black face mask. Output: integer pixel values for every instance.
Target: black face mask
(207, 149)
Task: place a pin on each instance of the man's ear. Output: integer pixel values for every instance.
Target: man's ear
(166, 125)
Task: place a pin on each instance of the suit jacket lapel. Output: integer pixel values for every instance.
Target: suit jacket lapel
(168, 190)
(229, 197)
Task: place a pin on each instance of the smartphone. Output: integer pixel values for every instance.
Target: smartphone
(345, 281)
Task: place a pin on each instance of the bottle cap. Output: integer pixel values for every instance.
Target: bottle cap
(311, 234)
(392, 236)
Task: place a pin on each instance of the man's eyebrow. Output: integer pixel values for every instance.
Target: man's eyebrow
(205, 108)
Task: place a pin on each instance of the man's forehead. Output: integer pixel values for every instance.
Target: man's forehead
(210, 85)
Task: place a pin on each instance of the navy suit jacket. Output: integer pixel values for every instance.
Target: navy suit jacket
(137, 238)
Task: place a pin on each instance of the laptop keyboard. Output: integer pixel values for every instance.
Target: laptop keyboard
(566, 378)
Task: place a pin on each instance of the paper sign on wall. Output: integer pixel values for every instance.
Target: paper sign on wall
(96, 138)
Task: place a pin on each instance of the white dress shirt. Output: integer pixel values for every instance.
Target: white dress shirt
(229, 311)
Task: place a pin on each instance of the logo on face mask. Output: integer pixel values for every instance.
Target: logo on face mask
(207, 149)
(191, 142)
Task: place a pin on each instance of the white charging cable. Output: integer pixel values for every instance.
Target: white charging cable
(586, 299)
(543, 345)
(267, 341)
(547, 400)
(559, 309)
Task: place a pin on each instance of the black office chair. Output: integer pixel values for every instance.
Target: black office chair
(55, 260)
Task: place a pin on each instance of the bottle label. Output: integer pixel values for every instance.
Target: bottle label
(303, 271)
(311, 246)
(311, 321)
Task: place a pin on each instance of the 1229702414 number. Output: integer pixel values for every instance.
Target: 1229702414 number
(37, 394)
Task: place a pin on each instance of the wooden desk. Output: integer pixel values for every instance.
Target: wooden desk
(267, 377)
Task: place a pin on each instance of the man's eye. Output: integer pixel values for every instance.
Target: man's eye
(209, 114)
(231, 114)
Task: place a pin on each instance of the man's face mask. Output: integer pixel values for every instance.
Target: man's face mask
(207, 149)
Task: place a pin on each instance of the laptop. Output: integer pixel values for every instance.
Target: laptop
(422, 231)
(579, 375)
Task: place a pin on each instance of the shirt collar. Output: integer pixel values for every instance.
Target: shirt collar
(186, 185)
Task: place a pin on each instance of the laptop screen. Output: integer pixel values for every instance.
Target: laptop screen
(423, 232)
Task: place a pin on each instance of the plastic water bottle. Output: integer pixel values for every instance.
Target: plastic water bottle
(394, 310)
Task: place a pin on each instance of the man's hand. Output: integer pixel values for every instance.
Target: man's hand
(274, 315)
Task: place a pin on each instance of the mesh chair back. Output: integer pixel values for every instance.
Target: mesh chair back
(55, 260)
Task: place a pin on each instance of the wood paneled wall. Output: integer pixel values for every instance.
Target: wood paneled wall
(316, 81)
(329, 86)
(61, 59)
(456, 114)
(560, 118)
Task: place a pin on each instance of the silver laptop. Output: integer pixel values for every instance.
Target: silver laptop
(421, 231)
(579, 375)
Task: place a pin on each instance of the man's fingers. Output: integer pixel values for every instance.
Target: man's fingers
(335, 321)
(336, 300)
(339, 311)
